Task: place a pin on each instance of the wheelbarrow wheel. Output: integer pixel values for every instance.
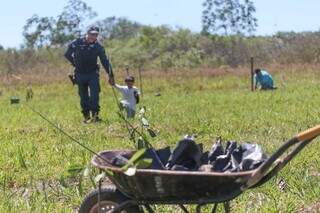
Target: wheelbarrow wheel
(110, 198)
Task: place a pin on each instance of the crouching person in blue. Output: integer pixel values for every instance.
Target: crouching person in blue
(83, 54)
(264, 79)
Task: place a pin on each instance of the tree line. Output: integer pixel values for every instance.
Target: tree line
(219, 16)
(227, 38)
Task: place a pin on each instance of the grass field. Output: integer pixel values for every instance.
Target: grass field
(34, 157)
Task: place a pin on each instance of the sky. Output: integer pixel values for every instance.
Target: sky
(273, 15)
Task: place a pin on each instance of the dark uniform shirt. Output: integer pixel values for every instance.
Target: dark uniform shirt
(84, 56)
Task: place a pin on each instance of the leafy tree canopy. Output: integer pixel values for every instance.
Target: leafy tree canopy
(228, 17)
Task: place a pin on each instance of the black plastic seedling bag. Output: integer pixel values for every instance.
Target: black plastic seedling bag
(235, 157)
(186, 156)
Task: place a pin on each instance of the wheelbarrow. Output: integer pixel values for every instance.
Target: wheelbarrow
(148, 187)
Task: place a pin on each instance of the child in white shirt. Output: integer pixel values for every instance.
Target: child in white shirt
(130, 96)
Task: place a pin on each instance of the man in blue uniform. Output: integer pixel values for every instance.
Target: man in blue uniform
(83, 54)
(264, 79)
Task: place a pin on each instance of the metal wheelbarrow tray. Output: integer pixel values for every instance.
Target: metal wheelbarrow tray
(183, 187)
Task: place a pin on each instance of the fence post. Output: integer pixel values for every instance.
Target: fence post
(140, 80)
(252, 74)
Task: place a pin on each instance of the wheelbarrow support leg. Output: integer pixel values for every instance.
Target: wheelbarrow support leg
(226, 206)
(214, 209)
(184, 209)
(198, 209)
(149, 209)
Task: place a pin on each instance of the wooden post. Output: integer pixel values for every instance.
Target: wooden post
(252, 74)
(127, 70)
(140, 79)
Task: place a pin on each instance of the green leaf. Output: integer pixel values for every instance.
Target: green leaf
(120, 115)
(142, 111)
(134, 159)
(141, 143)
(145, 122)
(29, 94)
(140, 164)
(131, 171)
(109, 173)
(132, 134)
(74, 170)
(21, 158)
(137, 155)
(80, 186)
(62, 181)
(93, 184)
(99, 177)
(151, 133)
(87, 171)
(144, 163)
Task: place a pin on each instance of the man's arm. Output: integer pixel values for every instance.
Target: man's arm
(69, 53)
(105, 62)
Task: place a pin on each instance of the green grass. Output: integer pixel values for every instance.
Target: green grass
(34, 157)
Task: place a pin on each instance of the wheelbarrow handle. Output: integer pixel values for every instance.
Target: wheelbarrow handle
(301, 139)
(309, 134)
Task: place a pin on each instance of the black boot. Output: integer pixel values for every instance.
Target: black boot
(86, 118)
(95, 117)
